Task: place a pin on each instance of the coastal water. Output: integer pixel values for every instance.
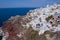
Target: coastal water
(6, 13)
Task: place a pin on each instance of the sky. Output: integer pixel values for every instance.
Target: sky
(26, 3)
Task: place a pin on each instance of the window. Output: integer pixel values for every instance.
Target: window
(51, 22)
(58, 16)
(37, 25)
(55, 12)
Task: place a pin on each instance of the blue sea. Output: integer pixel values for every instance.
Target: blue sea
(6, 13)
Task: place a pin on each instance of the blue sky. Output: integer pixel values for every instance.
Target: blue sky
(26, 3)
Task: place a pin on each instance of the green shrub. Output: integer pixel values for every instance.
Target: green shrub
(48, 18)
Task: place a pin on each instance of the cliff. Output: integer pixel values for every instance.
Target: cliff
(37, 24)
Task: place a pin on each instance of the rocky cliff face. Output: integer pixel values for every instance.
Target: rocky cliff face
(38, 24)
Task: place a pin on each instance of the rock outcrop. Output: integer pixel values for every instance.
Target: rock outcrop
(37, 24)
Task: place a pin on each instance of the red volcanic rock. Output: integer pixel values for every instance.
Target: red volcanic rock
(10, 38)
(4, 27)
(13, 27)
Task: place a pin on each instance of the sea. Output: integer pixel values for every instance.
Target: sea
(6, 13)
